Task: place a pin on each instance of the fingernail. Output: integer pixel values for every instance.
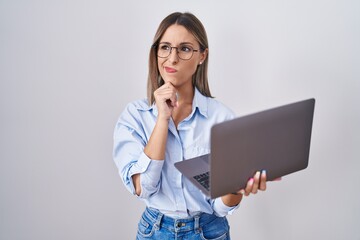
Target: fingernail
(263, 172)
(251, 180)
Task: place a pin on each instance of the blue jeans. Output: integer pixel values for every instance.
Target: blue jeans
(155, 225)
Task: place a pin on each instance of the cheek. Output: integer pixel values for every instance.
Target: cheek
(192, 68)
(160, 68)
(159, 63)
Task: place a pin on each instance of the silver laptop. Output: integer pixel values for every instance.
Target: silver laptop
(276, 140)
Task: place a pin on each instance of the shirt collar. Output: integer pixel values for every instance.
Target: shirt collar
(200, 102)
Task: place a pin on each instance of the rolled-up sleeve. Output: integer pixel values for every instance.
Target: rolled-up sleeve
(221, 209)
(150, 179)
(130, 159)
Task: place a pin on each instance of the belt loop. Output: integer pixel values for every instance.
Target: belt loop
(196, 223)
(158, 220)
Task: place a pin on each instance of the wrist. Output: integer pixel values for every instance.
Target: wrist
(163, 120)
(231, 200)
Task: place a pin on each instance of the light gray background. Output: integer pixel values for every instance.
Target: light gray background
(67, 69)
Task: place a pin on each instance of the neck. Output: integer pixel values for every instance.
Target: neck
(185, 96)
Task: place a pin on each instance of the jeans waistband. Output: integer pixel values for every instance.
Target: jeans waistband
(181, 224)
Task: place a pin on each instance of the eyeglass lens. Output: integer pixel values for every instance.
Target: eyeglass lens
(184, 52)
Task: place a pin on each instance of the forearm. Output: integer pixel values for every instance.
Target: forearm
(231, 200)
(154, 149)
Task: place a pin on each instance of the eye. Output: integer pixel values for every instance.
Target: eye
(185, 48)
(164, 47)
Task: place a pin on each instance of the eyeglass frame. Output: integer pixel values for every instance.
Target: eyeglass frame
(156, 47)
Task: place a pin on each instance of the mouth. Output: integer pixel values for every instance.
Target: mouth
(170, 70)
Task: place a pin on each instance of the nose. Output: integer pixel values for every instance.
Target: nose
(173, 57)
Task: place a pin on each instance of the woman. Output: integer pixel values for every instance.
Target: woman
(173, 124)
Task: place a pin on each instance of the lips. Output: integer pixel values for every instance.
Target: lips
(170, 70)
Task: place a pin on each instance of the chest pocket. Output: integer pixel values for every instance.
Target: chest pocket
(196, 143)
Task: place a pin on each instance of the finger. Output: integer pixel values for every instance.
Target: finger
(171, 93)
(173, 99)
(242, 192)
(249, 186)
(256, 182)
(166, 94)
(263, 180)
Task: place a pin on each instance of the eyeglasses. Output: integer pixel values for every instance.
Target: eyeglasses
(184, 52)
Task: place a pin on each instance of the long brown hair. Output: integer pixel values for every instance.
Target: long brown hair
(195, 27)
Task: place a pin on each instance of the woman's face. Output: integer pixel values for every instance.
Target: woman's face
(177, 71)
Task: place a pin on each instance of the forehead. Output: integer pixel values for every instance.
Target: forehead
(176, 34)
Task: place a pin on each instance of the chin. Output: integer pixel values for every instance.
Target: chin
(171, 80)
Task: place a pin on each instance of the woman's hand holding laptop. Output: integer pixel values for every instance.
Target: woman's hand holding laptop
(255, 183)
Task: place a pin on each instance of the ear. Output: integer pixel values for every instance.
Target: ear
(203, 55)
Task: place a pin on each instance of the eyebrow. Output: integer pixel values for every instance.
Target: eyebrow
(182, 43)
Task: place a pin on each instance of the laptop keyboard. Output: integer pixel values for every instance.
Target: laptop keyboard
(203, 179)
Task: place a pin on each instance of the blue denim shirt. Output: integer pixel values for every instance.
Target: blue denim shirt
(162, 186)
